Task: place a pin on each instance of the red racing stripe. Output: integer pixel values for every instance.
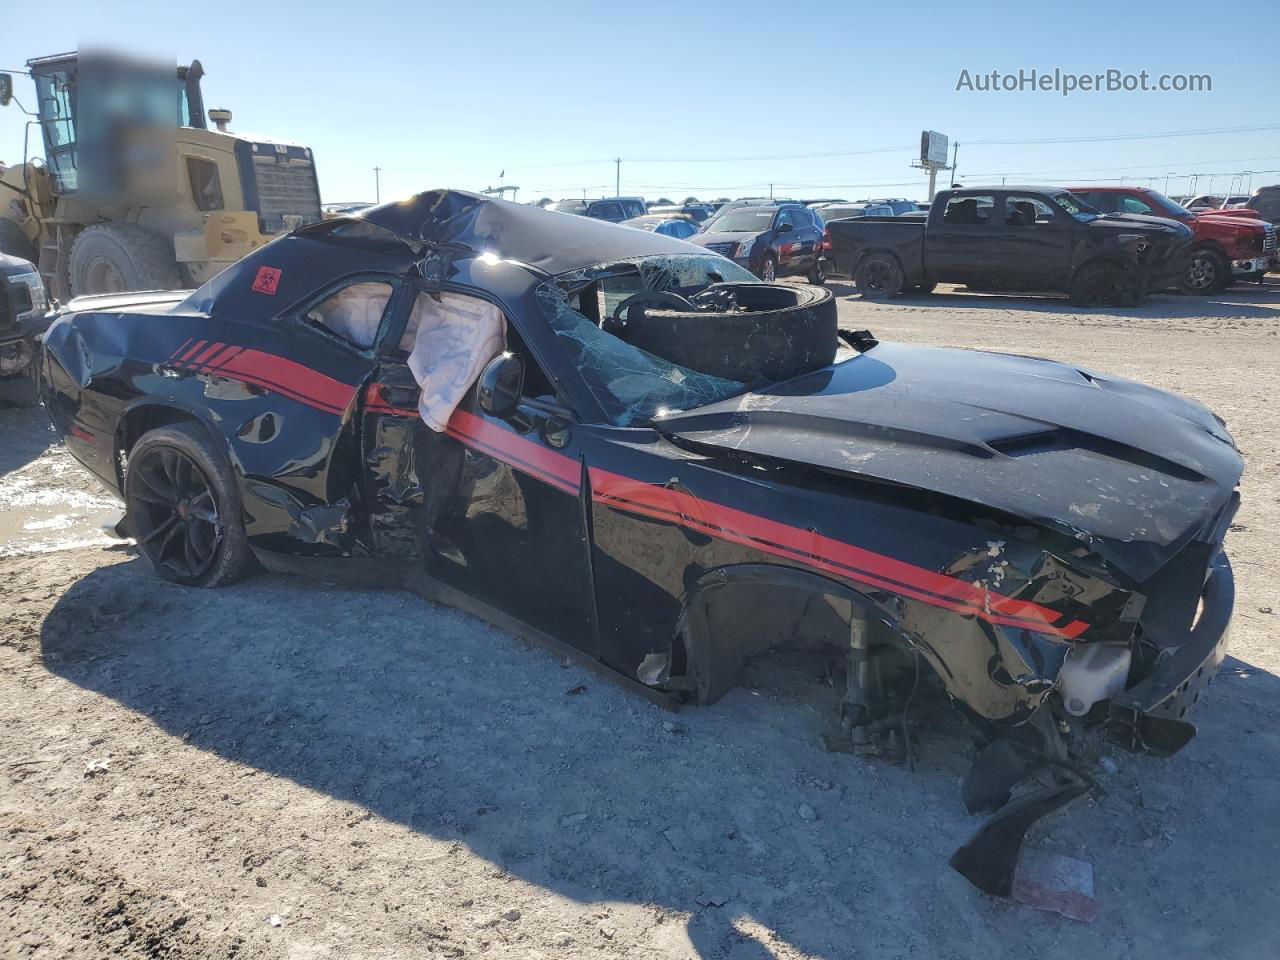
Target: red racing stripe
(267, 369)
(204, 355)
(375, 401)
(811, 543)
(563, 468)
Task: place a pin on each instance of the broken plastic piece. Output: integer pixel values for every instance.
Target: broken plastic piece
(990, 857)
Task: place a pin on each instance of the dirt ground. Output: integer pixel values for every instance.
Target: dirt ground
(296, 770)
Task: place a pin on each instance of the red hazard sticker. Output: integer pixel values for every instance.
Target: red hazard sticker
(267, 280)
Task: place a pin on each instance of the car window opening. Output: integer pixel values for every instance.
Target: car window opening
(354, 312)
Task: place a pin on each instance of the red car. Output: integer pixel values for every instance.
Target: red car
(1226, 245)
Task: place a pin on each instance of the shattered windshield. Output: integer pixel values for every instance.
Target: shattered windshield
(631, 385)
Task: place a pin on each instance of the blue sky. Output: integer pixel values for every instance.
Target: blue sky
(451, 94)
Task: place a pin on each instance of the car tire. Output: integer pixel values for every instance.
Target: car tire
(879, 276)
(15, 243)
(769, 268)
(183, 508)
(115, 257)
(773, 331)
(817, 275)
(1102, 283)
(1207, 273)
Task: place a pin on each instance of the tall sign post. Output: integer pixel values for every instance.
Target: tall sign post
(933, 157)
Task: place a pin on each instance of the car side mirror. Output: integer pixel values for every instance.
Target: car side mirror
(501, 385)
(6, 89)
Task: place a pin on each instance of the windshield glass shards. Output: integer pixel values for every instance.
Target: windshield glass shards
(742, 220)
(1075, 206)
(630, 384)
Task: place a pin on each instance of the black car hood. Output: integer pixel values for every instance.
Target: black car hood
(1140, 223)
(1131, 469)
(11, 266)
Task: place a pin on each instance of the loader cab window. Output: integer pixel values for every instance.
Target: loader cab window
(56, 97)
(206, 185)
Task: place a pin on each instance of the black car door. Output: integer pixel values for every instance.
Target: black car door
(958, 243)
(808, 236)
(1031, 242)
(786, 242)
(489, 507)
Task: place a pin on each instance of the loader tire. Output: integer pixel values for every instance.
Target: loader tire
(115, 257)
(15, 243)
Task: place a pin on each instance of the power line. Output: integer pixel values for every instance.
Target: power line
(1206, 131)
(1137, 166)
(1107, 138)
(776, 156)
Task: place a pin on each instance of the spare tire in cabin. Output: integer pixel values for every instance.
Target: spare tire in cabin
(748, 332)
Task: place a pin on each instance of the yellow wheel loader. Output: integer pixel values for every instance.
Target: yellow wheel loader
(135, 191)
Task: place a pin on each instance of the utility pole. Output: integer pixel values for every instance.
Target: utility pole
(377, 184)
(617, 177)
(771, 191)
(955, 152)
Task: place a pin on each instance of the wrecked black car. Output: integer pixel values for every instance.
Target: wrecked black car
(624, 447)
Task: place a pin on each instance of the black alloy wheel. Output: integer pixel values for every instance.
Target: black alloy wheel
(174, 513)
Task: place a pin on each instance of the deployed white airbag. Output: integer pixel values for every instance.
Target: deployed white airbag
(354, 312)
(449, 339)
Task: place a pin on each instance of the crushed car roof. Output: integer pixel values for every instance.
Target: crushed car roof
(516, 231)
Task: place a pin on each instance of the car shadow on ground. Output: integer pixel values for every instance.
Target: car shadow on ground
(27, 434)
(431, 719)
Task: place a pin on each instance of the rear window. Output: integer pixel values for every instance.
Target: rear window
(968, 211)
(607, 210)
(1268, 205)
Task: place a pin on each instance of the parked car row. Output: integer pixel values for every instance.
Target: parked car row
(770, 237)
(1026, 238)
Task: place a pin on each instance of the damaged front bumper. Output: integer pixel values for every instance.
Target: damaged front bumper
(1151, 716)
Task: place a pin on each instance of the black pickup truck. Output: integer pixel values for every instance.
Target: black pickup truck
(1012, 238)
(23, 318)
